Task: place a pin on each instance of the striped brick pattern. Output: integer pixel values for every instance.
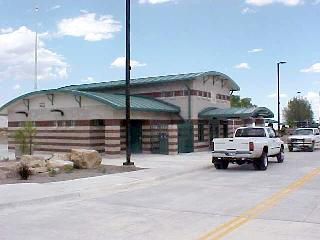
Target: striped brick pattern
(201, 146)
(63, 139)
(173, 139)
(112, 140)
(146, 138)
(233, 124)
(123, 138)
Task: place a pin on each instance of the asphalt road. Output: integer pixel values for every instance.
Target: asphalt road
(238, 203)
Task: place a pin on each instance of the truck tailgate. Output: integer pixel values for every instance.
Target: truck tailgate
(231, 144)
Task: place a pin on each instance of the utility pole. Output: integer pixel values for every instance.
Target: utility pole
(278, 71)
(128, 68)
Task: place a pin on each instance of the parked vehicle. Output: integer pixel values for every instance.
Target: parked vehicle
(304, 138)
(249, 145)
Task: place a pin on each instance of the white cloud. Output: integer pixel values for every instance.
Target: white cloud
(120, 62)
(275, 95)
(17, 57)
(315, 68)
(154, 1)
(88, 80)
(268, 2)
(90, 27)
(242, 66)
(6, 30)
(247, 11)
(16, 87)
(55, 7)
(255, 50)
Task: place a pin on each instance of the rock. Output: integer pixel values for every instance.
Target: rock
(4, 174)
(61, 156)
(83, 158)
(33, 161)
(61, 164)
(4, 159)
(39, 170)
(10, 168)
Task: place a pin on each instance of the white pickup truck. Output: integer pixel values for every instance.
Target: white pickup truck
(249, 145)
(304, 138)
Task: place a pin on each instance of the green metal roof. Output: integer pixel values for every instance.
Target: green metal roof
(152, 80)
(236, 113)
(117, 101)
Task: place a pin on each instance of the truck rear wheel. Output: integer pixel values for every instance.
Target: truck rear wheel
(221, 164)
(262, 162)
(217, 165)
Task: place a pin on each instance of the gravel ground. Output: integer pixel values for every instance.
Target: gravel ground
(75, 174)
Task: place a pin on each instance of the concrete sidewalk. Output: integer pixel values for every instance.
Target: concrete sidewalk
(158, 167)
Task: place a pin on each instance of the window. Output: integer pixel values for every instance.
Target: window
(168, 94)
(70, 123)
(250, 132)
(97, 122)
(60, 123)
(201, 132)
(178, 93)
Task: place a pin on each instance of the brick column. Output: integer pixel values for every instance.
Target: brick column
(173, 139)
(112, 138)
(260, 122)
(195, 138)
(146, 138)
(248, 122)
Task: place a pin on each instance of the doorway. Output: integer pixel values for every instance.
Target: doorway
(136, 136)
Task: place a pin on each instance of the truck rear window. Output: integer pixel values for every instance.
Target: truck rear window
(250, 132)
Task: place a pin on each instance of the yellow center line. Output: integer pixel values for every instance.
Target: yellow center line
(224, 229)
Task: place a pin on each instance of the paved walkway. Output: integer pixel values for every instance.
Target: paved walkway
(158, 167)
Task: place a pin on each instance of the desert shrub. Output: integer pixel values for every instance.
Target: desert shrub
(68, 169)
(53, 172)
(24, 172)
(24, 137)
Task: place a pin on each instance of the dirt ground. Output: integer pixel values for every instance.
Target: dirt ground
(75, 174)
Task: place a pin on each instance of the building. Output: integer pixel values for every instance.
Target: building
(170, 114)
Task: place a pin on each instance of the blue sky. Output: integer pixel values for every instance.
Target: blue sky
(84, 42)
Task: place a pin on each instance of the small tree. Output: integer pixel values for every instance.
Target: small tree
(298, 110)
(25, 138)
(237, 102)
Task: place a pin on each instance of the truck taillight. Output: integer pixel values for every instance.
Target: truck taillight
(251, 146)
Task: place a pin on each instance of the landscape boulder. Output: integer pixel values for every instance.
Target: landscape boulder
(4, 174)
(61, 164)
(61, 156)
(33, 161)
(9, 168)
(4, 159)
(38, 170)
(83, 158)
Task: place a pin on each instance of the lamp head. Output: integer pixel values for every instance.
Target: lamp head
(282, 62)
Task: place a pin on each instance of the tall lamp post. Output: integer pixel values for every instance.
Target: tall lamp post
(278, 70)
(128, 68)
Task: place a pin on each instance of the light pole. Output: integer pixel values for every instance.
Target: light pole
(36, 53)
(128, 68)
(278, 70)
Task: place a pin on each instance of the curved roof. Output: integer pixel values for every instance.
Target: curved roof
(117, 101)
(236, 113)
(153, 80)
